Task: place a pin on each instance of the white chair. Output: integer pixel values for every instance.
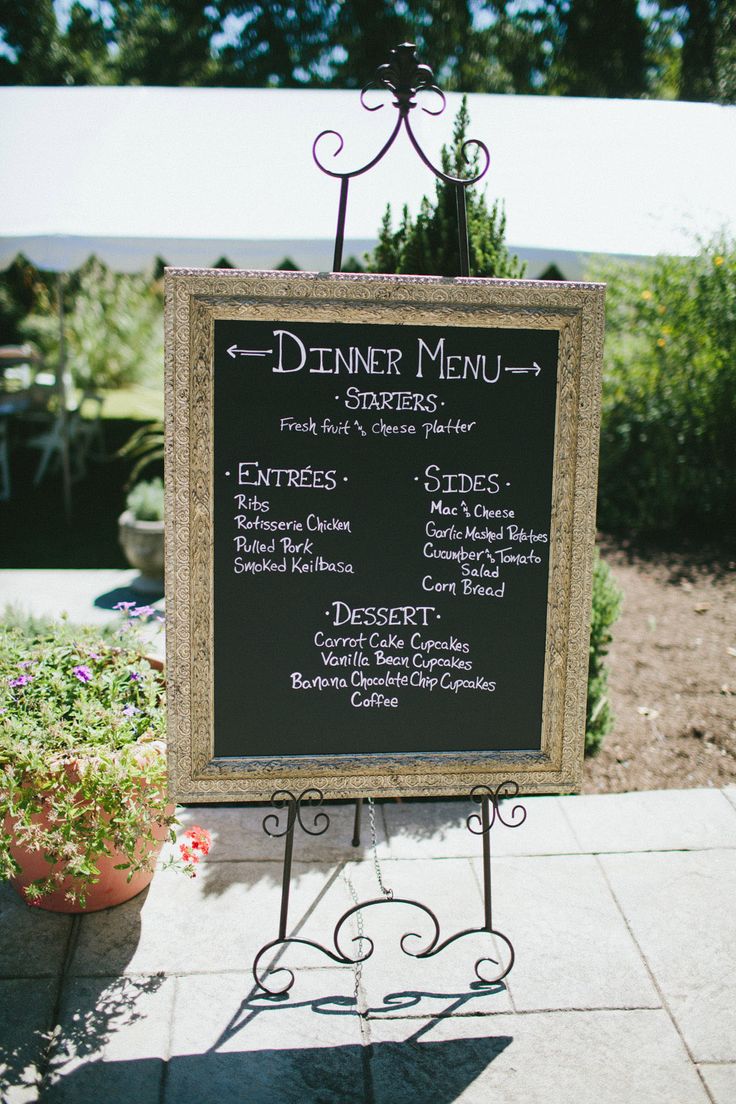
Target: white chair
(57, 440)
(78, 429)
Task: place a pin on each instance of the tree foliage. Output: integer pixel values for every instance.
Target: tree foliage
(569, 47)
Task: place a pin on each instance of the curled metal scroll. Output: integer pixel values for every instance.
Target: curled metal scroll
(435, 948)
(479, 794)
(285, 799)
(406, 78)
(338, 954)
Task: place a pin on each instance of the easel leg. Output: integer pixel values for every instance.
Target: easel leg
(286, 878)
(356, 824)
(486, 822)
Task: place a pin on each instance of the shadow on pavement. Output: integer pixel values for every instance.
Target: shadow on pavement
(110, 598)
(409, 1072)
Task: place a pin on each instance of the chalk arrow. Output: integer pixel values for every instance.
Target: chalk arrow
(534, 368)
(235, 351)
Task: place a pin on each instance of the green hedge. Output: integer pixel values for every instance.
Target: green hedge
(668, 439)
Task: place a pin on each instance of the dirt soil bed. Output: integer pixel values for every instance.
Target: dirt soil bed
(672, 673)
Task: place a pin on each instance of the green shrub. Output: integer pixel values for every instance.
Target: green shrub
(146, 501)
(668, 462)
(606, 608)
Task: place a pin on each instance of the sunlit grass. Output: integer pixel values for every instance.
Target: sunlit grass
(141, 402)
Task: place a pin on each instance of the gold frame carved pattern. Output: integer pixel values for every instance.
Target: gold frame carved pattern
(195, 298)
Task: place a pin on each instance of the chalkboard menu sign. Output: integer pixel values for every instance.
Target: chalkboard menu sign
(379, 532)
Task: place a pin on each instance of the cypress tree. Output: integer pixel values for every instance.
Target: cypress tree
(428, 245)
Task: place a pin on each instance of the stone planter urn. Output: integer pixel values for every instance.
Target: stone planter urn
(143, 544)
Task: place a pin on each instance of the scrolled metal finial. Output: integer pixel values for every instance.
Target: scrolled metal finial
(283, 798)
(517, 815)
(280, 800)
(504, 790)
(405, 77)
(316, 796)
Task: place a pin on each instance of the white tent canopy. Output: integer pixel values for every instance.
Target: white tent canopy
(194, 174)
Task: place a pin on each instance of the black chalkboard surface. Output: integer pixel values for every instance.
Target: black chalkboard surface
(381, 527)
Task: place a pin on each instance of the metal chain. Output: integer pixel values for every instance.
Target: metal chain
(387, 893)
(358, 966)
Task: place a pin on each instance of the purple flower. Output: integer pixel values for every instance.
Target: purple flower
(142, 611)
(124, 606)
(26, 663)
(82, 673)
(22, 680)
(130, 711)
(135, 676)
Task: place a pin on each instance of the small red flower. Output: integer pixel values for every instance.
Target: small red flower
(198, 839)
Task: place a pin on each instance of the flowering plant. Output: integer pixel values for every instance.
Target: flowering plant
(82, 755)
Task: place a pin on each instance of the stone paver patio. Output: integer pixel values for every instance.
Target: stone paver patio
(621, 910)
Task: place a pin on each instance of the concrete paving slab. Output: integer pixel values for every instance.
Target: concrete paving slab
(606, 1057)
(229, 1045)
(26, 1018)
(730, 793)
(681, 911)
(573, 949)
(720, 1081)
(112, 1041)
(398, 984)
(658, 820)
(237, 833)
(33, 942)
(431, 829)
(214, 923)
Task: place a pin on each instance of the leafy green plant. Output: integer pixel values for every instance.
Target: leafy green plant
(607, 599)
(146, 501)
(145, 447)
(113, 329)
(669, 399)
(82, 763)
(428, 245)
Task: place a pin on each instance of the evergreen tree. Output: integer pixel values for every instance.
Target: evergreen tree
(428, 245)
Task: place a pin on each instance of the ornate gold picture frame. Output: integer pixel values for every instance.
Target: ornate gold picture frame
(197, 300)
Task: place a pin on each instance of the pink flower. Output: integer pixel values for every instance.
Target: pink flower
(142, 611)
(83, 673)
(124, 606)
(130, 711)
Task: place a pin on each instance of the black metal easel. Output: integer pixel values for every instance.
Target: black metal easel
(406, 78)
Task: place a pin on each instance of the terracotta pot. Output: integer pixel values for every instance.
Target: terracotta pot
(112, 888)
